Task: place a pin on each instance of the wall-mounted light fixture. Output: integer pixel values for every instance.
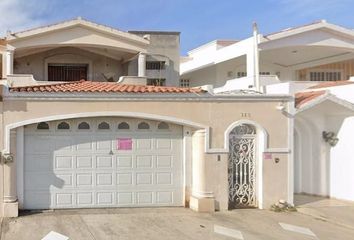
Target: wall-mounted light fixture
(7, 158)
(280, 106)
(330, 138)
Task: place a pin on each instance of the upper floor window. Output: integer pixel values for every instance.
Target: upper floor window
(184, 82)
(103, 126)
(325, 75)
(156, 81)
(155, 65)
(264, 73)
(67, 72)
(42, 126)
(63, 126)
(241, 74)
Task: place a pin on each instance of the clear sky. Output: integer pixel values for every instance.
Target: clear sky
(199, 21)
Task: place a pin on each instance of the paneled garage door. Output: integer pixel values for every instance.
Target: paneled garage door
(95, 162)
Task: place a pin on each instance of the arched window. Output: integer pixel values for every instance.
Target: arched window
(83, 126)
(42, 126)
(123, 125)
(163, 126)
(143, 125)
(103, 126)
(63, 126)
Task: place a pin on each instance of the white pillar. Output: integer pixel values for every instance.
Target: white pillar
(256, 57)
(202, 200)
(10, 62)
(142, 65)
(4, 64)
(10, 186)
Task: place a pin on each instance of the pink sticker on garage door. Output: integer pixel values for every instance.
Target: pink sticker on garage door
(124, 144)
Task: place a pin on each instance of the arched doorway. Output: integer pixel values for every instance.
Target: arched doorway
(242, 166)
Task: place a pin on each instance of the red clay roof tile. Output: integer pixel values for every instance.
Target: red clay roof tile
(99, 87)
(332, 84)
(304, 97)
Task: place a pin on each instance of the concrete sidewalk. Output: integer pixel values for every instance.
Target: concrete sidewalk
(330, 210)
(171, 223)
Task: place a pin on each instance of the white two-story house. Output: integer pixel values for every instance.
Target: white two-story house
(92, 116)
(314, 64)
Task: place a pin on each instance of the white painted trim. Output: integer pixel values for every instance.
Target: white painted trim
(307, 28)
(324, 97)
(13, 96)
(78, 22)
(109, 114)
(20, 165)
(291, 170)
(187, 157)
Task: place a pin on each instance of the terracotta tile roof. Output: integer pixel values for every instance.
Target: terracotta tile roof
(304, 97)
(332, 84)
(101, 87)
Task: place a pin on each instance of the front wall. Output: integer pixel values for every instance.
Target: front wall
(217, 115)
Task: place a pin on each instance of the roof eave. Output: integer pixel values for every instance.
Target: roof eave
(12, 37)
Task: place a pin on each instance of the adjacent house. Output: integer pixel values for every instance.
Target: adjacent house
(312, 63)
(93, 116)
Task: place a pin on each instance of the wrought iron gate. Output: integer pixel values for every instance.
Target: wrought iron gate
(242, 167)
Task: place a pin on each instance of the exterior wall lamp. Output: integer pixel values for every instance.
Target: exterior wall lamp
(330, 138)
(280, 106)
(7, 158)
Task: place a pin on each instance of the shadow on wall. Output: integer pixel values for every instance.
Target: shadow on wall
(314, 161)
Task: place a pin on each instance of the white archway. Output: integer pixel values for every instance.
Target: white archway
(261, 145)
(178, 121)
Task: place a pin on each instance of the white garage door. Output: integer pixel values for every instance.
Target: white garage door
(113, 162)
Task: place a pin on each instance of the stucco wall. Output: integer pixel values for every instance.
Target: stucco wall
(217, 115)
(98, 64)
(218, 74)
(164, 46)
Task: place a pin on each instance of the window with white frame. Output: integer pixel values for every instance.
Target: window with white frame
(184, 82)
(241, 74)
(325, 75)
(156, 81)
(244, 74)
(155, 65)
(264, 73)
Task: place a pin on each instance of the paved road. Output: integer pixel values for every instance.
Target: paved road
(172, 223)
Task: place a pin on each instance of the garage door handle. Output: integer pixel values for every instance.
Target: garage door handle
(111, 152)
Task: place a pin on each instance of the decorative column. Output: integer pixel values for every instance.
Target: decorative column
(202, 200)
(142, 65)
(10, 181)
(4, 64)
(10, 62)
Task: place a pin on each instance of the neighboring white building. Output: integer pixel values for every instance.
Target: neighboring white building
(313, 63)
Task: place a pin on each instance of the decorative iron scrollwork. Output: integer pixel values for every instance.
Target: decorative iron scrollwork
(241, 168)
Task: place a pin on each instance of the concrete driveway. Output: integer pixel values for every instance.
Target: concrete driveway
(171, 223)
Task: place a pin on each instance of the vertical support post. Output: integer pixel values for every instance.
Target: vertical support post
(4, 65)
(20, 147)
(10, 62)
(201, 200)
(10, 187)
(256, 57)
(142, 65)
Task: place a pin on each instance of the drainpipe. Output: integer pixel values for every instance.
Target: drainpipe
(256, 57)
